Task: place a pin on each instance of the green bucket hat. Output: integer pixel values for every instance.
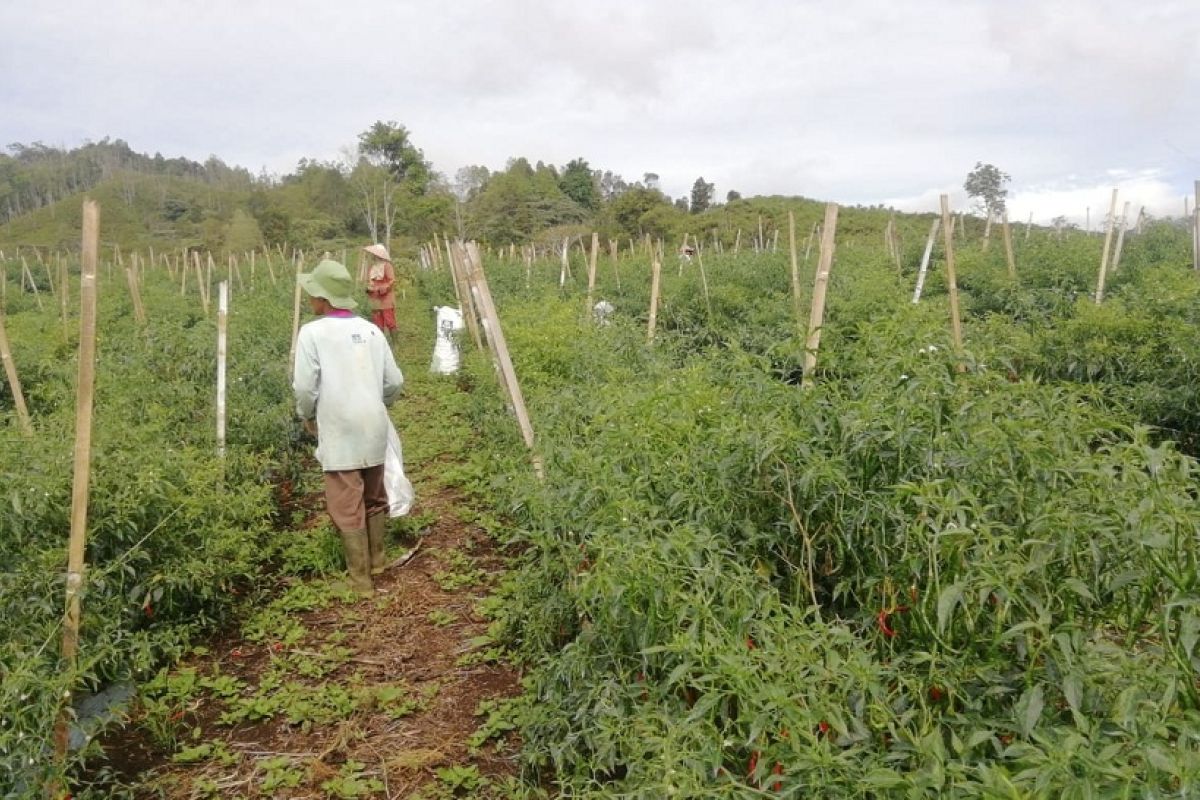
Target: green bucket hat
(331, 281)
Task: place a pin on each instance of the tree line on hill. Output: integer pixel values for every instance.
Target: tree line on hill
(383, 189)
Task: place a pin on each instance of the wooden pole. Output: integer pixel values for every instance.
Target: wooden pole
(655, 278)
(987, 231)
(222, 351)
(592, 270)
(1116, 262)
(14, 383)
(737, 242)
(933, 229)
(64, 290)
(952, 283)
(797, 303)
(613, 249)
(1112, 214)
(1008, 248)
(816, 317)
(83, 453)
(503, 359)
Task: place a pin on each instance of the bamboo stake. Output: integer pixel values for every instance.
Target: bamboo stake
(816, 317)
(987, 231)
(14, 383)
(796, 301)
(1196, 229)
(500, 354)
(1112, 213)
(592, 270)
(222, 353)
(456, 259)
(933, 229)
(952, 284)
(612, 246)
(562, 273)
(737, 242)
(83, 454)
(139, 313)
(3, 285)
(1120, 238)
(774, 242)
(455, 279)
(64, 292)
(295, 320)
(655, 278)
(1008, 249)
(808, 245)
(26, 274)
(703, 280)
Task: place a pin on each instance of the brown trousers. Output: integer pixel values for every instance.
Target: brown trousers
(353, 495)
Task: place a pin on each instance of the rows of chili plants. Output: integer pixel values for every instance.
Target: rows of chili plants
(910, 580)
(176, 534)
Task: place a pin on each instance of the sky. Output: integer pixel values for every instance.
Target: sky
(865, 102)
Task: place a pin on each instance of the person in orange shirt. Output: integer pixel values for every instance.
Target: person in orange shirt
(381, 295)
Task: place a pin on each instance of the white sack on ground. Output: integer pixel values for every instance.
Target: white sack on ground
(395, 482)
(445, 349)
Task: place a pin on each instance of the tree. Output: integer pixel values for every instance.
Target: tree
(650, 180)
(985, 183)
(732, 195)
(385, 170)
(702, 195)
(578, 183)
(681, 203)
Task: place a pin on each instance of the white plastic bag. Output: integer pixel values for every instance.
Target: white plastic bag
(395, 482)
(445, 349)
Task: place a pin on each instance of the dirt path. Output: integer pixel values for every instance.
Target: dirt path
(321, 695)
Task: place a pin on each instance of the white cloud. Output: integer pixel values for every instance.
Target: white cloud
(856, 103)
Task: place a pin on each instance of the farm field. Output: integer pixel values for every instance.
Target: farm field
(931, 573)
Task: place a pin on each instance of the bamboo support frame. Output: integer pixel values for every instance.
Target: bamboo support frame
(295, 320)
(591, 286)
(816, 317)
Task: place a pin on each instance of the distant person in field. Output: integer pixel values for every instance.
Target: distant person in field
(381, 285)
(345, 377)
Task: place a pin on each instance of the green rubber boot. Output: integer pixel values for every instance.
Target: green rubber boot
(358, 562)
(377, 538)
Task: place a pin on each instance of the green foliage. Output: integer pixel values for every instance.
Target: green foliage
(905, 581)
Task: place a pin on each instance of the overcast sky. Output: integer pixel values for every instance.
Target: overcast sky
(858, 101)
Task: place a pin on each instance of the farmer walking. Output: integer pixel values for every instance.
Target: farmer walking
(381, 295)
(345, 377)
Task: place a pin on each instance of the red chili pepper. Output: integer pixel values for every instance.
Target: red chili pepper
(749, 643)
(236, 652)
(753, 763)
(277, 646)
(784, 733)
(823, 727)
(882, 618)
(148, 609)
(777, 770)
(936, 693)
